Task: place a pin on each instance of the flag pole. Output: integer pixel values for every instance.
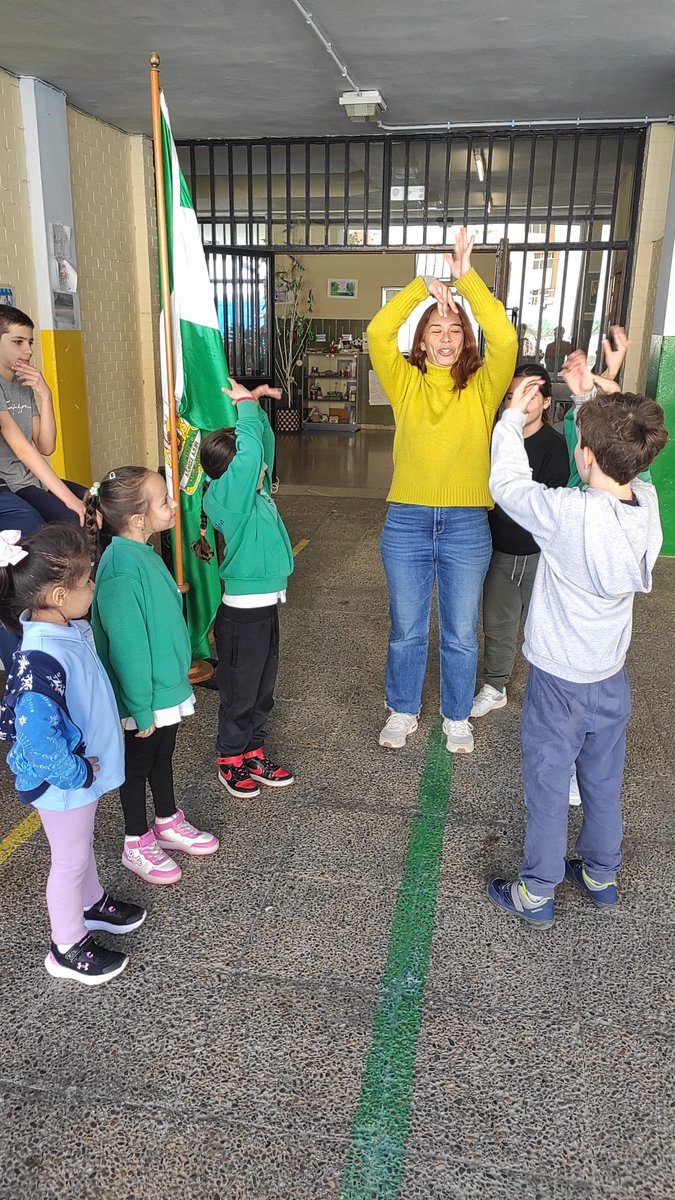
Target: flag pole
(166, 295)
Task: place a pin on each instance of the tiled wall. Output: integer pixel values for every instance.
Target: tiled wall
(111, 206)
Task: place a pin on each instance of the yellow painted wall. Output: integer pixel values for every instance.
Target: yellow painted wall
(16, 239)
(110, 211)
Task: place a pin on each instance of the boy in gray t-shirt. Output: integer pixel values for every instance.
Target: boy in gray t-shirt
(28, 432)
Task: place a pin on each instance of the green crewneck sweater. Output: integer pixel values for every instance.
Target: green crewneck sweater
(442, 439)
(258, 556)
(140, 633)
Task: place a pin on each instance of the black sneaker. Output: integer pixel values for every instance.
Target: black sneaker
(86, 961)
(262, 768)
(114, 916)
(234, 776)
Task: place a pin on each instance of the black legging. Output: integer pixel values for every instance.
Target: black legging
(147, 760)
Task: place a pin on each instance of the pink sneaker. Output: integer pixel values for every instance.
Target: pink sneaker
(145, 857)
(178, 834)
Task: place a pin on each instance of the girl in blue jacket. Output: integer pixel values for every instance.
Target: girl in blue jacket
(60, 714)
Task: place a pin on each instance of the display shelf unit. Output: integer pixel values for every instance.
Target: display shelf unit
(329, 391)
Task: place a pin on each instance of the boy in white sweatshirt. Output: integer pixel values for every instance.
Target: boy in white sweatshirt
(598, 548)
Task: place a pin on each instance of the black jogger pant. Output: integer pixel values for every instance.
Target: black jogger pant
(247, 644)
(147, 760)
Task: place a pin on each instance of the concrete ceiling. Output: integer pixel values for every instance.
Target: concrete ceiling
(254, 68)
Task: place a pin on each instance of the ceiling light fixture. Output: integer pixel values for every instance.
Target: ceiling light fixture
(363, 106)
(480, 163)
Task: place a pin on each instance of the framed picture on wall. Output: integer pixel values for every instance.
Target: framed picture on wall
(343, 289)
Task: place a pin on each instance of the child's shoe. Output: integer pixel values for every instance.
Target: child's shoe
(575, 794)
(398, 728)
(175, 833)
(486, 699)
(265, 771)
(236, 777)
(145, 858)
(114, 916)
(513, 898)
(86, 962)
(459, 736)
(604, 895)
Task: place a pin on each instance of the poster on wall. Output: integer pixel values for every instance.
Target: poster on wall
(343, 289)
(7, 296)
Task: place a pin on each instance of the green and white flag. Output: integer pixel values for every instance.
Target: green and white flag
(200, 372)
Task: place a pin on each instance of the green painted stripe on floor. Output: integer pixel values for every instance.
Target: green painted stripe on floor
(376, 1156)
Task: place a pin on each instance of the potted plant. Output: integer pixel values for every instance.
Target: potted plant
(293, 331)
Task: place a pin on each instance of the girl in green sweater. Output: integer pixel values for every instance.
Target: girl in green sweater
(143, 643)
(258, 560)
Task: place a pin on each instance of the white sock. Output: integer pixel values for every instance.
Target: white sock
(63, 949)
(165, 820)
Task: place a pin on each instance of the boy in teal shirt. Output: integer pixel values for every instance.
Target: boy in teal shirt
(257, 562)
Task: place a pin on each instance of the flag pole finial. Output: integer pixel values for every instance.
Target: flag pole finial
(154, 60)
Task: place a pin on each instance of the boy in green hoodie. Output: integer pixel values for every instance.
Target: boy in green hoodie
(258, 560)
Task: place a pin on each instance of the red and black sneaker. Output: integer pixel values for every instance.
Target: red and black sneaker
(265, 771)
(235, 776)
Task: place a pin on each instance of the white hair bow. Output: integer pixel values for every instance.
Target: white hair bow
(10, 550)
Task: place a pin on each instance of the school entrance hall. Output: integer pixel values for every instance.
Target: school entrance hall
(337, 602)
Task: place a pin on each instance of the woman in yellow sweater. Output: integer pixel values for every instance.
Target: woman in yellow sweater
(444, 401)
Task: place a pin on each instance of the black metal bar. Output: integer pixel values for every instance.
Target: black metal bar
(594, 185)
(345, 196)
(488, 188)
(249, 169)
(212, 195)
(230, 192)
(386, 191)
(522, 288)
(509, 185)
(530, 182)
(326, 198)
(193, 175)
(289, 202)
(566, 256)
(446, 189)
(551, 188)
(366, 192)
(406, 184)
(425, 202)
(467, 180)
(270, 214)
(542, 293)
(308, 190)
(617, 184)
(573, 187)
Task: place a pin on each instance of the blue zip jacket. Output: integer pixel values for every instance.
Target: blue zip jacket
(60, 710)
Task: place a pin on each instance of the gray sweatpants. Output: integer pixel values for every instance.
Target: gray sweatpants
(564, 723)
(507, 592)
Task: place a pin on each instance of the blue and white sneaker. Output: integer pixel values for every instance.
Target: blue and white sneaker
(506, 895)
(604, 896)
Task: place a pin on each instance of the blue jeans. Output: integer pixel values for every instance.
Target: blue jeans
(564, 723)
(452, 546)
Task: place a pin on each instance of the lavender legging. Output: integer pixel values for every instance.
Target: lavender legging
(73, 883)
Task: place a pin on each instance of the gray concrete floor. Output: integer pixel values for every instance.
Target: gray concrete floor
(226, 1062)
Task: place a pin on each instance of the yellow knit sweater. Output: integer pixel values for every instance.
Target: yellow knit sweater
(442, 439)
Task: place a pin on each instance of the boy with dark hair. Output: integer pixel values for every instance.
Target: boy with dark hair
(598, 548)
(28, 432)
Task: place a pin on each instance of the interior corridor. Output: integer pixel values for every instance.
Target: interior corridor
(331, 1007)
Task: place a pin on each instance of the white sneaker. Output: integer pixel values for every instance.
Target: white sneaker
(575, 794)
(398, 728)
(459, 735)
(145, 857)
(487, 699)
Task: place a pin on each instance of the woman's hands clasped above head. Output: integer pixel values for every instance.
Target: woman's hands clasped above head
(459, 261)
